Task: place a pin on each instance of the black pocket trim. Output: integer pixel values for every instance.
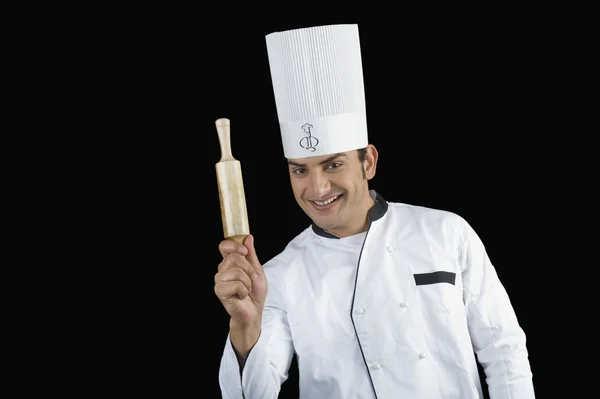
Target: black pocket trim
(435, 277)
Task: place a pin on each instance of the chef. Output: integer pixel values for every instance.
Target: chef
(378, 299)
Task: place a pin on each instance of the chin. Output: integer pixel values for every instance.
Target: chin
(326, 225)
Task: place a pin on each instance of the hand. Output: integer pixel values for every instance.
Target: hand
(240, 283)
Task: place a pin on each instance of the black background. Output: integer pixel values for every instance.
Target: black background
(459, 106)
(450, 108)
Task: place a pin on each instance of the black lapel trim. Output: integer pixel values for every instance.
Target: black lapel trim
(376, 212)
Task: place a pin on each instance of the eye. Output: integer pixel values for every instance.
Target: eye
(334, 165)
(299, 171)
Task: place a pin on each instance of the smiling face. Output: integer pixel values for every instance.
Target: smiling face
(333, 189)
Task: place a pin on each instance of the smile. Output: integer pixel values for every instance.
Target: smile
(326, 202)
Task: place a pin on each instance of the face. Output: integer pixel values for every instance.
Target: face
(333, 189)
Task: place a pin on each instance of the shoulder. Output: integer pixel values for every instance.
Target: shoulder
(437, 225)
(289, 255)
(283, 267)
(425, 217)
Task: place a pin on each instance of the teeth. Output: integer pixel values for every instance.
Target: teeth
(329, 201)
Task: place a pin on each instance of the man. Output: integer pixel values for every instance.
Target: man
(377, 299)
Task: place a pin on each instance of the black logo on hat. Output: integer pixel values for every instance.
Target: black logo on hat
(309, 142)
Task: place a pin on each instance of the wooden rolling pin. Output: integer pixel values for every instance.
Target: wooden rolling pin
(231, 188)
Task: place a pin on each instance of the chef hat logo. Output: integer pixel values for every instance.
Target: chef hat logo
(319, 90)
(310, 142)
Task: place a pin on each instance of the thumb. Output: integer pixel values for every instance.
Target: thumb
(251, 256)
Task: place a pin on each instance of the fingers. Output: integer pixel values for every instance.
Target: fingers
(227, 247)
(251, 256)
(236, 260)
(236, 270)
(226, 290)
(234, 274)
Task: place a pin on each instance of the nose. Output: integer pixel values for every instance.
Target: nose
(320, 184)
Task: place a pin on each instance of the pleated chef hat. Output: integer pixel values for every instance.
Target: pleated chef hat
(319, 90)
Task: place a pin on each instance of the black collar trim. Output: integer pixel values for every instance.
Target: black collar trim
(376, 212)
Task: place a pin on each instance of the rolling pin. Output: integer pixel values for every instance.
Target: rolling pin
(231, 188)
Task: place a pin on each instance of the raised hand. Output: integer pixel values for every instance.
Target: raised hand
(240, 283)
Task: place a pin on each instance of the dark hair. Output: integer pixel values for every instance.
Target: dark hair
(362, 154)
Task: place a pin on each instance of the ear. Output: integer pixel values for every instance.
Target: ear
(370, 162)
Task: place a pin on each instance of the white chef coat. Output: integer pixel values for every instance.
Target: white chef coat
(397, 312)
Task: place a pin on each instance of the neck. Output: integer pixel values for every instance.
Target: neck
(362, 223)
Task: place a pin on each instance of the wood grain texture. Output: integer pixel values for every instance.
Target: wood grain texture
(230, 182)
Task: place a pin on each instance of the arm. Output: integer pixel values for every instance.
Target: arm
(265, 367)
(498, 340)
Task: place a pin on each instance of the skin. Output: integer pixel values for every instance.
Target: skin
(240, 282)
(322, 178)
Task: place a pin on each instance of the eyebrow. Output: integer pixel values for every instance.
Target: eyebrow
(323, 162)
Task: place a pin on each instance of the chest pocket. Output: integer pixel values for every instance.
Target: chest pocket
(437, 290)
(439, 296)
(437, 277)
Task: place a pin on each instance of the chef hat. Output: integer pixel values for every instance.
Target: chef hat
(319, 90)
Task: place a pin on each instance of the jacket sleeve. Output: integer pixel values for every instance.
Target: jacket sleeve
(498, 340)
(268, 362)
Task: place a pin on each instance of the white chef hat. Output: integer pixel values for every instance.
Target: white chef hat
(319, 90)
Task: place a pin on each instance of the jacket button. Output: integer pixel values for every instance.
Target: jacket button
(421, 355)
